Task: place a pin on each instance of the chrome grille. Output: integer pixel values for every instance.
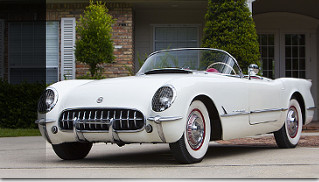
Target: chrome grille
(100, 119)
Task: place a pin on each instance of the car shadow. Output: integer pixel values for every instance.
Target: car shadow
(226, 150)
(163, 156)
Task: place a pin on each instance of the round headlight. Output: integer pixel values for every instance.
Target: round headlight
(163, 98)
(47, 100)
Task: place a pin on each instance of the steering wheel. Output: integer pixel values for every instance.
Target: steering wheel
(222, 64)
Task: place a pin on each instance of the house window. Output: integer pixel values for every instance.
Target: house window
(267, 51)
(33, 52)
(168, 37)
(52, 51)
(295, 55)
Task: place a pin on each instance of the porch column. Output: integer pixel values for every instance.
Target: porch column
(250, 5)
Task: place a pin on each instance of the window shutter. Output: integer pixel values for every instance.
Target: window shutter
(67, 48)
(1, 48)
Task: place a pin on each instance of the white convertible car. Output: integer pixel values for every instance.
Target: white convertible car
(183, 97)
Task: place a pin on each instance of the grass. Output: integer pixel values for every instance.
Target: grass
(8, 132)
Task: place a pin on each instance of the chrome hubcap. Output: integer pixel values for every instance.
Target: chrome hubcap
(292, 122)
(195, 131)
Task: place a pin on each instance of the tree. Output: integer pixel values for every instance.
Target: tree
(94, 45)
(230, 27)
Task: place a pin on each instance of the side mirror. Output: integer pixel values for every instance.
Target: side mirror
(253, 70)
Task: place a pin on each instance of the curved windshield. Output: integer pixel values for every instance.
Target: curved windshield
(189, 60)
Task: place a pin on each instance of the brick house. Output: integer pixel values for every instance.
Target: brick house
(288, 34)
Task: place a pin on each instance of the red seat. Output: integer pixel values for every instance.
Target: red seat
(212, 70)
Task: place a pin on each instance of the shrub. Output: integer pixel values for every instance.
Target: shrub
(230, 27)
(18, 104)
(94, 45)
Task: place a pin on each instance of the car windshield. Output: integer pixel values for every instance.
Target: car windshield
(190, 60)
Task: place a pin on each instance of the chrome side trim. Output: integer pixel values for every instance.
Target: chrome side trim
(234, 114)
(268, 110)
(253, 112)
(43, 121)
(269, 121)
(311, 108)
(159, 119)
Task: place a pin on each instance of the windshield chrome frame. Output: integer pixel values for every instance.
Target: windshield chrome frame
(210, 49)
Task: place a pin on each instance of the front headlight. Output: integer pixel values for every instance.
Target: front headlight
(163, 98)
(47, 100)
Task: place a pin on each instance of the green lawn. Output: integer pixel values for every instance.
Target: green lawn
(7, 132)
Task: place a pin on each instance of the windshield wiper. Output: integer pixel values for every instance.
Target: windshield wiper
(167, 70)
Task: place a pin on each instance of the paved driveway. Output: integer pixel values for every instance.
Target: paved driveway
(32, 157)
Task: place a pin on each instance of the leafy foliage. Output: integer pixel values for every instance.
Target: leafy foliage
(95, 31)
(230, 27)
(18, 104)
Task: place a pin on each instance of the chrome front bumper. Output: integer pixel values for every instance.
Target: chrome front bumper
(112, 133)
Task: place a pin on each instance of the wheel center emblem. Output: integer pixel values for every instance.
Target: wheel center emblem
(99, 100)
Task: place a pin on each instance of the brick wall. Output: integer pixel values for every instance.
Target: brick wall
(122, 35)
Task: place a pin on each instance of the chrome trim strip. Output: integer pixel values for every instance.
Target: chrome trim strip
(43, 121)
(234, 114)
(160, 131)
(253, 112)
(78, 134)
(311, 108)
(159, 119)
(268, 110)
(46, 135)
(260, 122)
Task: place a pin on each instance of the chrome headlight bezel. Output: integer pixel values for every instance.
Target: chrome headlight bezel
(47, 100)
(163, 98)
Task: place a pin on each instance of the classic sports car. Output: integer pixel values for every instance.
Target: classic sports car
(184, 97)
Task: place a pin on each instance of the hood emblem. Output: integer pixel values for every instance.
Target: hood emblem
(99, 100)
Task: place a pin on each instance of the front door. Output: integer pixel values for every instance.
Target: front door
(283, 54)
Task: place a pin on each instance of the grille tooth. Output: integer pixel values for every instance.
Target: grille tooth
(99, 119)
(128, 119)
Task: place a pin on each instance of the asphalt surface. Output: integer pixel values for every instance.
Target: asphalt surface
(32, 157)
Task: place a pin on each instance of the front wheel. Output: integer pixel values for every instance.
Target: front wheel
(288, 136)
(72, 151)
(193, 145)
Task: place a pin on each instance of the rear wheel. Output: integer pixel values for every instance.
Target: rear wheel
(288, 136)
(193, 145)
(72, 151)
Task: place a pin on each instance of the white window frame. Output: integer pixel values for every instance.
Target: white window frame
(175, 26)
(57, 66)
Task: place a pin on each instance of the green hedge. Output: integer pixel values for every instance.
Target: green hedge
(18, 104)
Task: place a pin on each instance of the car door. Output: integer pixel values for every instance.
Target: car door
(264, 100)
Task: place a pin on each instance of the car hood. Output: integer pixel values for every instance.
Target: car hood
(125, 92)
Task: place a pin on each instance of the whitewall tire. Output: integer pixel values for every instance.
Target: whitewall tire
(193, 145)
(288, 136)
